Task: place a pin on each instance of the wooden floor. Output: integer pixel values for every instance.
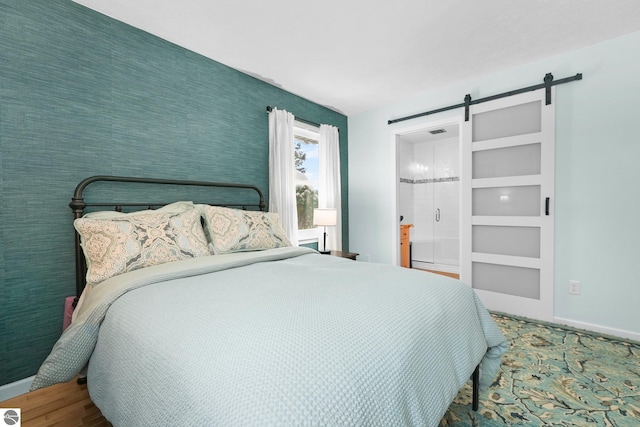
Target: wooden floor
(454, 275)
(65, 405)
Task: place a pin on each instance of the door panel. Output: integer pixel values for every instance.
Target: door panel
(507, 233)
(500, 240)
(510, 120)
(506, 201)
(516, 281)
(509, 161)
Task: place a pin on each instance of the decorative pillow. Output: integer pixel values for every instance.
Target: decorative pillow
(118, 245)
(235, 230)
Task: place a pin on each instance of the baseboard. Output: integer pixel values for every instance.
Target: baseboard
(621, 333)
(11, 390)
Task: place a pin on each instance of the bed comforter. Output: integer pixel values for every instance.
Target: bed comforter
(279, 337)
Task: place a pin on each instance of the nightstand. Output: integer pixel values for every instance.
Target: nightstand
(342, 254)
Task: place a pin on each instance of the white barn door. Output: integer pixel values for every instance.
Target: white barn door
(507, 204)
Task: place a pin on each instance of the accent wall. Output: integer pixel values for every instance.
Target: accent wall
(82, 94)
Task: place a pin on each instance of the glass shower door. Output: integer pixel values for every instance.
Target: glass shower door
(436, 234)
(446, 203)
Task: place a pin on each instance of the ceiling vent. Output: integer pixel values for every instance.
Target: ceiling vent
(437, 131)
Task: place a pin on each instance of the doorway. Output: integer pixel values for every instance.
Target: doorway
(428, 176)
(506, 214)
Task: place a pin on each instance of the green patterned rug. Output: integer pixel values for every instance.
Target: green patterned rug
(556, 376)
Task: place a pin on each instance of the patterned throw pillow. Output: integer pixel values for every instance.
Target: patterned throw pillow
(118, 245)
(235, 230)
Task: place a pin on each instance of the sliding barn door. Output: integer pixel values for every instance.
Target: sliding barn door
(507, 204)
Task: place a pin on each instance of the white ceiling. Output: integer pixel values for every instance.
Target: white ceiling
(357, 55)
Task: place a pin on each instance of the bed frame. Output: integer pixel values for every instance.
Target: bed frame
(78, 205)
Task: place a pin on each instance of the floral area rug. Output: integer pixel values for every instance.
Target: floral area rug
(556, 376)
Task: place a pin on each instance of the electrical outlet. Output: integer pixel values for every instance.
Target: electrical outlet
(574, 287)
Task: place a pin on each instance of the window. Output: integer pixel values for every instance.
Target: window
(306, 163)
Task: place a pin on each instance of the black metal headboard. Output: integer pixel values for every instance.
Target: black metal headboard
(78, 205)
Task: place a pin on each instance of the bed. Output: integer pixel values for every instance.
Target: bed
(202, 313)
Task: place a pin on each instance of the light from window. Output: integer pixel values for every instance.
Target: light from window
(306, 164)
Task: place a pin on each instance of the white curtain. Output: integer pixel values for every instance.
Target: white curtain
(329, 181)
(282, 184)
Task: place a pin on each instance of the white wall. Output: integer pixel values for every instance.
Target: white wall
(597, 206)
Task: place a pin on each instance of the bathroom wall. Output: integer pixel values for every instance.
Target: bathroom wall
(405, 188)
(429, 180)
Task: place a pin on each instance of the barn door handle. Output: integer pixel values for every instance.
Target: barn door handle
(546, 206)
(437, 215)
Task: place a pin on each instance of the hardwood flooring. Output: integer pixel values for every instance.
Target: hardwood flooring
(454, 275)
(67, 405)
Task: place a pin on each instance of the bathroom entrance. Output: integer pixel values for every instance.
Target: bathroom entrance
(429, 195)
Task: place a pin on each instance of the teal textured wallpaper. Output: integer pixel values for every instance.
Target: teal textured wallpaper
(82, 94)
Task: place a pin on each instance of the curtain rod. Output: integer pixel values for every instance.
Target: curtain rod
(548, 82)
(309, 122)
